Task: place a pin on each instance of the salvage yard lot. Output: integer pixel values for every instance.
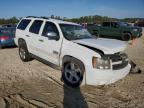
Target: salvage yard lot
(34, 84)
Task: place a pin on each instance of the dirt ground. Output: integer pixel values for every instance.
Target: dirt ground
(36, 85)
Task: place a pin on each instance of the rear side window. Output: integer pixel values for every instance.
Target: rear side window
(23, 24)
(35, 27)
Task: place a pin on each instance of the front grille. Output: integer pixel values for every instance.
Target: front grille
(120, 66)
(118, 57)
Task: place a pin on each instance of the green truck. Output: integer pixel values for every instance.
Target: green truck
(115, 30)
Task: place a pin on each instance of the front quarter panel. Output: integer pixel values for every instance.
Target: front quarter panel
(82, 53)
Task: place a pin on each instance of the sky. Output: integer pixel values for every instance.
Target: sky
(72, 8)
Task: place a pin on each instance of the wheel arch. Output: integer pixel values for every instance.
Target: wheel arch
(21, 41)
(124, 32)
(67, 58)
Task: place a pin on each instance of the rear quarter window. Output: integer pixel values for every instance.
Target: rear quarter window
(23, 24)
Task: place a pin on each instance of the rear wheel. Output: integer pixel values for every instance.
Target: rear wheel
(24, 54)
(72, 73)
(126, 37)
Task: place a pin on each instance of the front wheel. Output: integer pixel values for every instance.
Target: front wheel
(72, 73)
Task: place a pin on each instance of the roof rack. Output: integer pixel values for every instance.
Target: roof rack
(31, 17)
(37, 17)
(43, 17)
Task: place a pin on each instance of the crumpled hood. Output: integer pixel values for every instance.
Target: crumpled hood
(108, 46)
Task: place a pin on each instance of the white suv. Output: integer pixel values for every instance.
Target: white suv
(69, 46)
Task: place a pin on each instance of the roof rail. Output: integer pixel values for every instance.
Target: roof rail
(44, 17)
(31, 17)
(38, 17)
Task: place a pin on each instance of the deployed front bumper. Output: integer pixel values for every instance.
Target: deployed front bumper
(101, 77)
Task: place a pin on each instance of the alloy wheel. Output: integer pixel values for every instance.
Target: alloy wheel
(22, 53)
(72, 73)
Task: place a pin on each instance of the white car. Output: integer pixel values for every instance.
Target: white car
(69, 46)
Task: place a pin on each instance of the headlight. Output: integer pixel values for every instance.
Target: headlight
(101, 63)
(135, 30)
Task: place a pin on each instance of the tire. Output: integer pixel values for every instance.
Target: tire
(96, 34)
(24, 54)
(126, 37)
(72, 72)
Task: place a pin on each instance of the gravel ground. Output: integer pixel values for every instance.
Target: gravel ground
(36, 85)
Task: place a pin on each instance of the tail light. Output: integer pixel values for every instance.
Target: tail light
(4, 37)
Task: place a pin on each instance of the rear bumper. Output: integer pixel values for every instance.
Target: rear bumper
(104, 77)
(5, 43)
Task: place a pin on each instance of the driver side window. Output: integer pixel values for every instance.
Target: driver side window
(50, 27)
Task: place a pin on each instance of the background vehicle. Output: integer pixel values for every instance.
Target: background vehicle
(116, 30)
(7, 37)
(139, 23)
(69, 46)
(91, 28)
(8, 26)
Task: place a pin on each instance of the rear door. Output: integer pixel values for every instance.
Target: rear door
(115, 30)
(105, 29)
(22, 30)
(33, 36)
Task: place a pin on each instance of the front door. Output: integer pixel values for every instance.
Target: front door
(49, 49)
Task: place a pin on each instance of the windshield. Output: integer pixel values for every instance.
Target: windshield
(74, 32)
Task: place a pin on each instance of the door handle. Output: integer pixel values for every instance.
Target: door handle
(27, 36)
(41, 40)
(55, 52)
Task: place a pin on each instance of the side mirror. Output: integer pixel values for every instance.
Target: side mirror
(52, 36)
